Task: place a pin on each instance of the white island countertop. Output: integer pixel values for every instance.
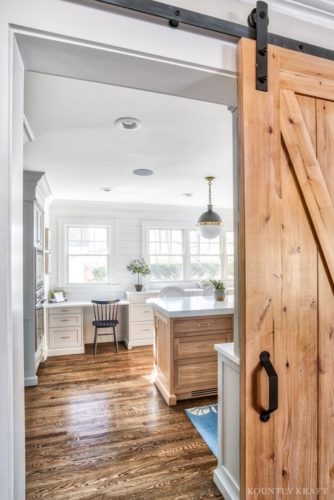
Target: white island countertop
(187, 307)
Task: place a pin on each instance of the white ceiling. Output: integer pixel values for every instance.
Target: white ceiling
(78, 146)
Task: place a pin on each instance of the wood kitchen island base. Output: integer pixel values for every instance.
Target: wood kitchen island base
(185, 361)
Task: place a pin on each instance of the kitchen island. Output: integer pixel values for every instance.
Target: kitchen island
(186, 330)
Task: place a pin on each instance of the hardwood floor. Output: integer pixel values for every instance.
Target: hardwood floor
(97, 428)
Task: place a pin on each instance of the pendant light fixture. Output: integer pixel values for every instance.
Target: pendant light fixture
(210, 222)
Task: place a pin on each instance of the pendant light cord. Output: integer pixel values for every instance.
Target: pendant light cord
(210, 183)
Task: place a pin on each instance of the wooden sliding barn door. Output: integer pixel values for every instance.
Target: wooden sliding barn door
(286, 139)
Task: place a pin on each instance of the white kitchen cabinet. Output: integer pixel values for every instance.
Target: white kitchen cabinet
(140, 323)
(140, 328)
(38, 226)
(227, 473)
(65, 330)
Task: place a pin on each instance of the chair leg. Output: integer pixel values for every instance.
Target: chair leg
(115, 339)
(95, 341)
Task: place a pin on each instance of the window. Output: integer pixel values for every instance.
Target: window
(229, 256)
(88, 254)
(205, 257)
(181, 254)
(166, 254)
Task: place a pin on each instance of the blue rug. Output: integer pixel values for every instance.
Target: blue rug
(205, 419)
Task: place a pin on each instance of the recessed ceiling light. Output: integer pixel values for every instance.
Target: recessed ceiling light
(187, 195)
(128, 123)
(143, 171)
(106, 189)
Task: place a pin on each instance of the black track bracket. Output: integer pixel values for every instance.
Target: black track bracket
(258, 20)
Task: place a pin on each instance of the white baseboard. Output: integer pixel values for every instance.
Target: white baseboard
(226, 484)
(66, 350)
(126, 343)
(30, 381)
(137, 343)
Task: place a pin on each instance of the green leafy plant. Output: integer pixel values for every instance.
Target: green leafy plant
(218, 284)
(99, 273)
(165, 271)
(139, 267)
(52, 292)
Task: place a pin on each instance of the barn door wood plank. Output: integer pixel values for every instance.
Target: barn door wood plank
(297, 422)
(309, 175)
(260, 271)
(325, 154)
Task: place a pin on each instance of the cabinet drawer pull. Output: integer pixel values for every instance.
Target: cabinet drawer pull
(64, 320)
(203, 324)
(68, 337)
(146, 329)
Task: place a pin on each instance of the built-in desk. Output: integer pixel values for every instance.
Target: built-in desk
(75, 303)
(68, 326)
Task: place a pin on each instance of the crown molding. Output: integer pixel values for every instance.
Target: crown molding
(319, 12)
(43, 188)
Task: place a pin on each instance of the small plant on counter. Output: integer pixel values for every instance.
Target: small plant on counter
(219, 287)
(51, 295)
(139, 267)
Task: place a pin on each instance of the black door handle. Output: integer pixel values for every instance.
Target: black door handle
(273, 386)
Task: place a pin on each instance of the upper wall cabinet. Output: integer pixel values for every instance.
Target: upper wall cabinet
(38, 226)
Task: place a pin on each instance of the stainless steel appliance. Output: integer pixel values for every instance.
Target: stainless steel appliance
(39, 316)
(39, 269)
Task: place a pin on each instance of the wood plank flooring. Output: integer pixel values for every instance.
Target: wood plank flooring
(97, 428)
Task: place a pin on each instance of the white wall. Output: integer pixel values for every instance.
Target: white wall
(97, 25)
(127, 222)
(15, 369)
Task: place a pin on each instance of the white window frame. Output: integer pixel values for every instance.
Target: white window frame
(64, 224)
(147, 225)
(186, 227)
(221, 255)
(229, 282)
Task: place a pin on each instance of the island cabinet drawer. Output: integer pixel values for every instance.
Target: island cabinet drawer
(142, 330)
(194, 374)
(194, 347)
(141, 312)
(64, 337)
(207, 324)
(64, 310)
(64, 320)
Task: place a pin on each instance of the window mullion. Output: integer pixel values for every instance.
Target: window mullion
(186, 255)
(223, 254)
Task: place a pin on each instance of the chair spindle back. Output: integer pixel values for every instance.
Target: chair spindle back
(105, 310)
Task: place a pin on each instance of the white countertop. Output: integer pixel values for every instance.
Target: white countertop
(82, 303)
(227, 351)
(156, 291)
(187, 307)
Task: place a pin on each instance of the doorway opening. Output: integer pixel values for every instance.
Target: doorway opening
(95, 210)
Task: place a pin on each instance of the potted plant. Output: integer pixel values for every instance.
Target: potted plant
(219, 287)
(139, 267)
(51, 295)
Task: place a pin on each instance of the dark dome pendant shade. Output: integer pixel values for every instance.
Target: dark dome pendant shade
(210, 222)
